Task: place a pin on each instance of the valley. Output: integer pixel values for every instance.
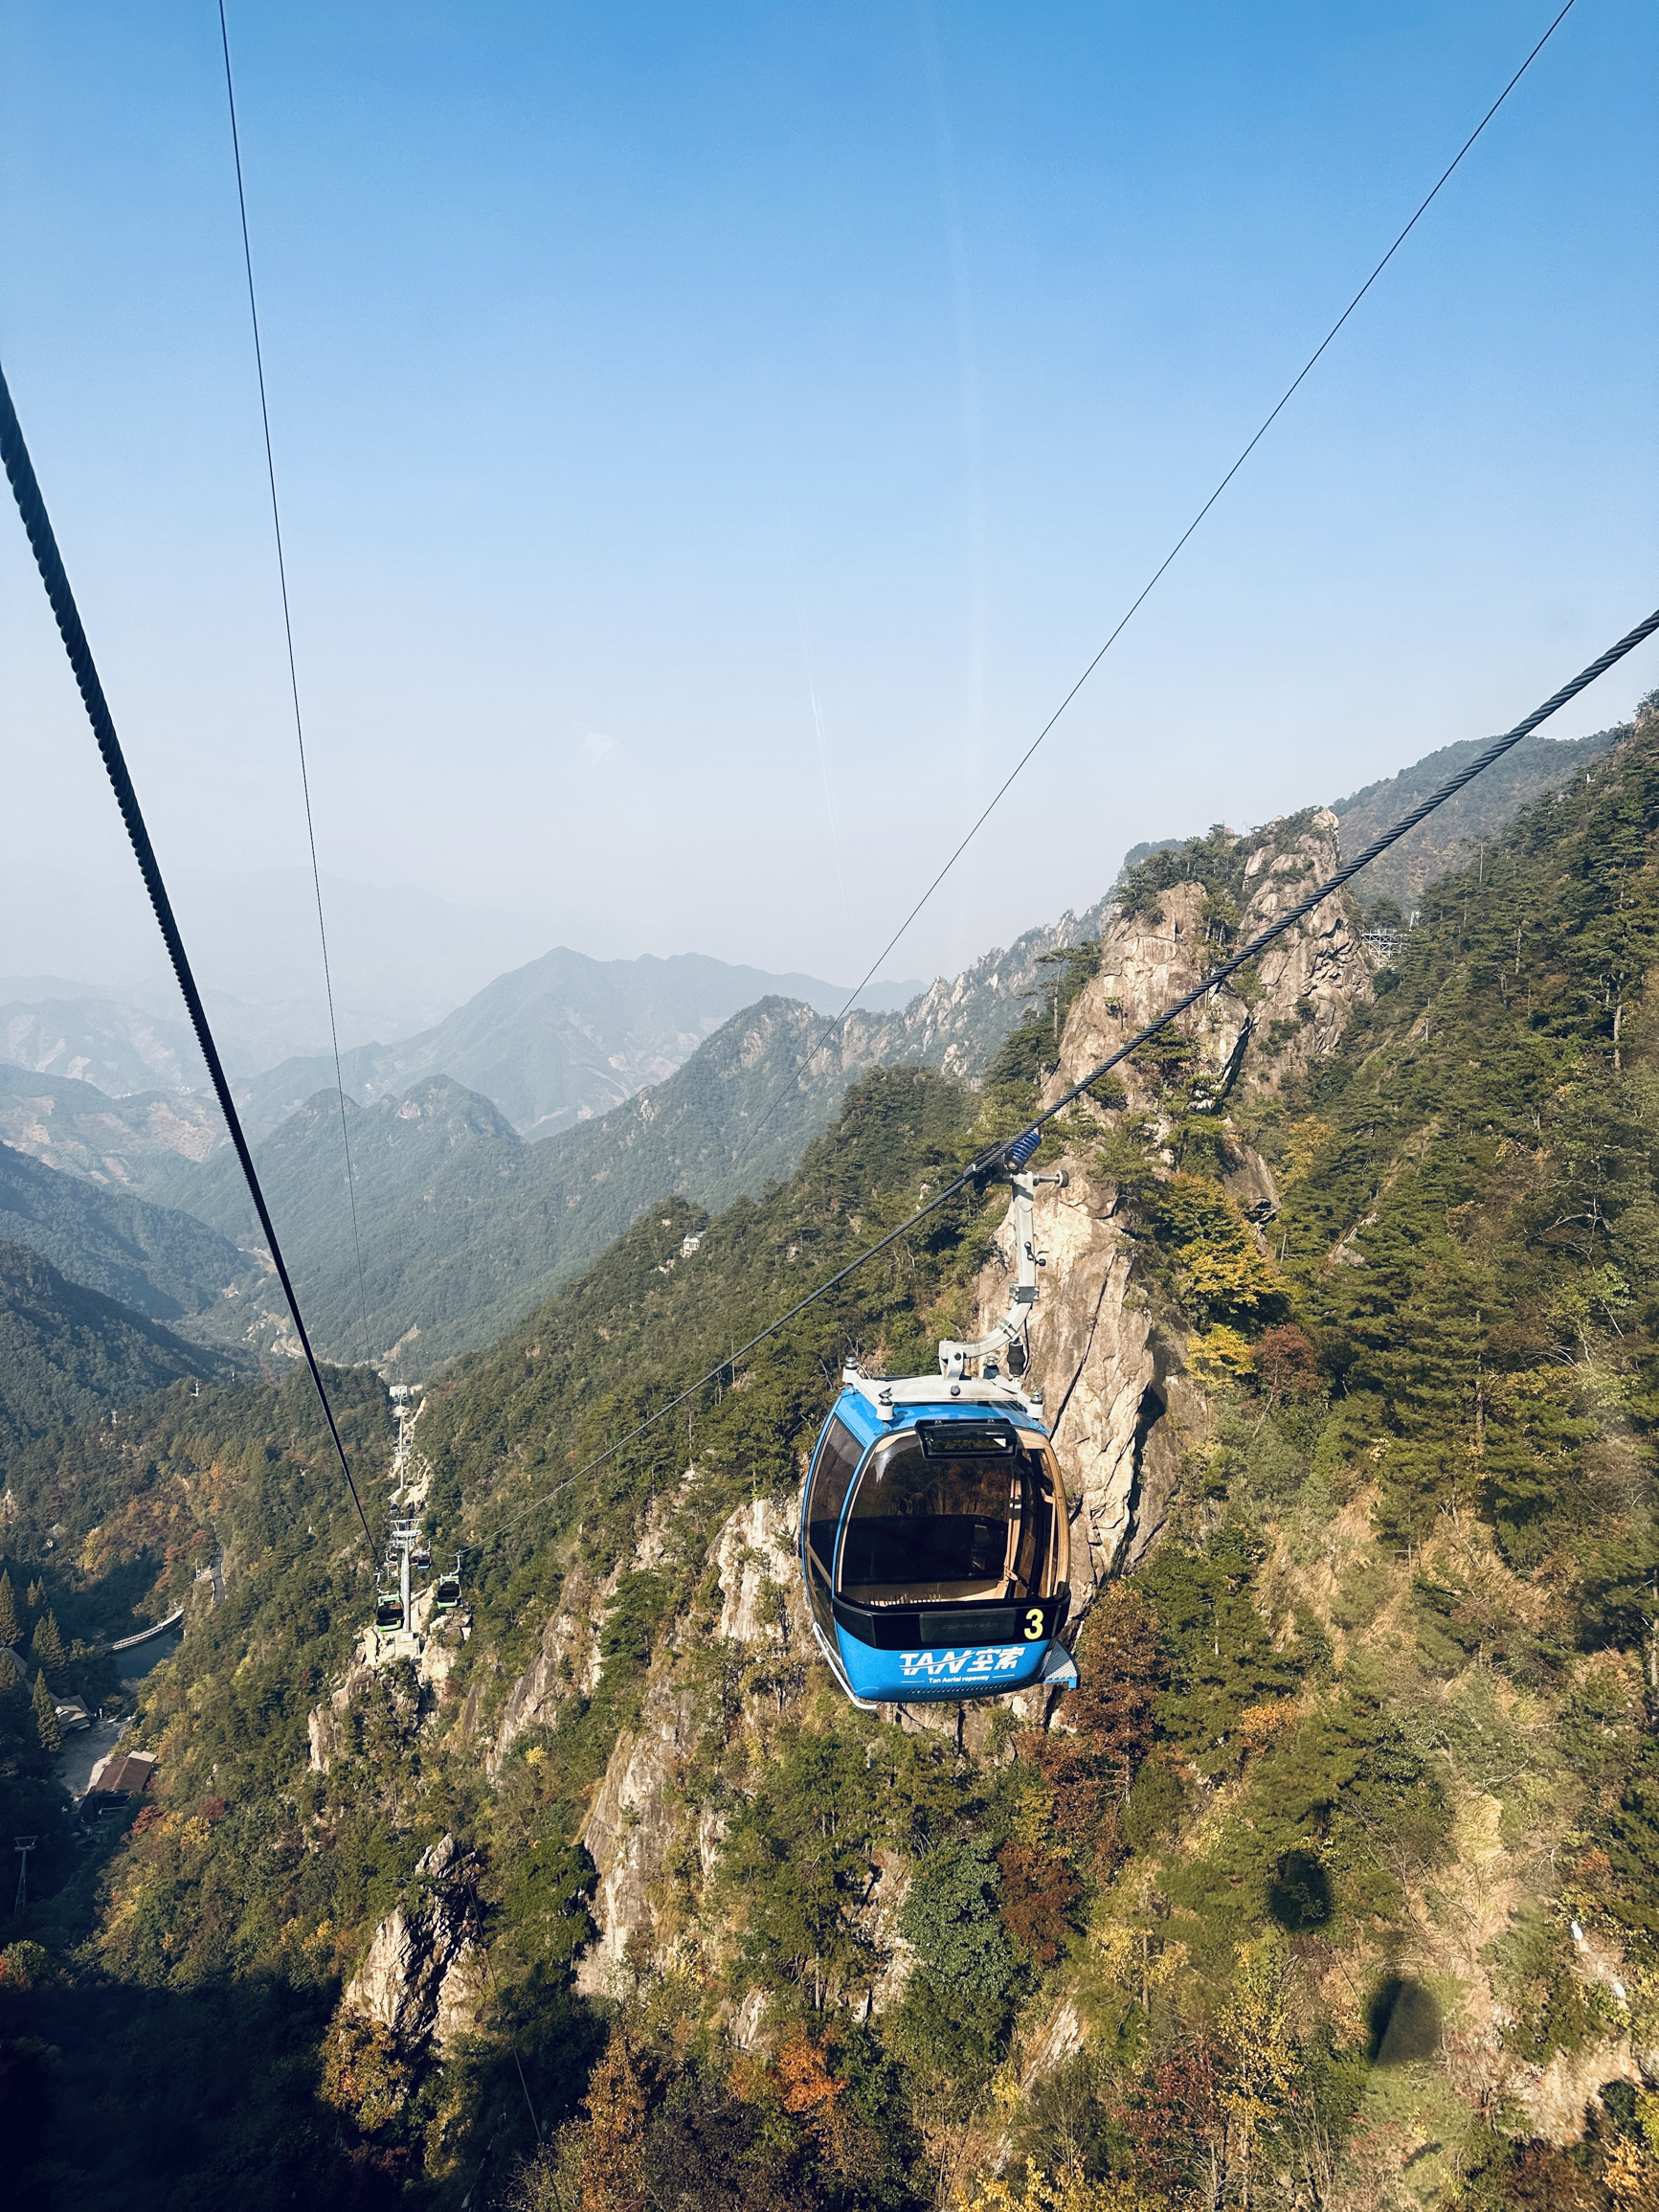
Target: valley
(498, 1152)
(1331, 1886)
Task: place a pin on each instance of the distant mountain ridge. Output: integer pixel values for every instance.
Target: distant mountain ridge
(464, 1227)
(164, 1265)
(619, 1071)
(398, 1148)
(504, 1223)
(119, 1048)
(68, 1353)
(124, 1143)
(558, 1041)
(1434, 847)
(401, 957)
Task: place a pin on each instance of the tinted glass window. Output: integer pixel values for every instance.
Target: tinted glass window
(832, 1478)
(1041, 1557)
(926, 1527)
(930, 1528)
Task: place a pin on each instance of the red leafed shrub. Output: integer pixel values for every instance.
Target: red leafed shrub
(1287, 1363)
(1104, 1726)
(1543, 2180)
(1039, 1891)
(1174, 2116)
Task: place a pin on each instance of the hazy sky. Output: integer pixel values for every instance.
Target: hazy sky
(711, 440)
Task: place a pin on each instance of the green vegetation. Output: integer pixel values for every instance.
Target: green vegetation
(1353, 1823)
(1218, 861)
(164, 1265)
(66, 1352)
(1477, 816)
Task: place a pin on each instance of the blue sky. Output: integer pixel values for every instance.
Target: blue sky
(713, 440)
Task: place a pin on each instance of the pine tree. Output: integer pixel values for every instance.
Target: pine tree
(46, 1728)
(37, 1596)
(46, 1647)
(10, 1631)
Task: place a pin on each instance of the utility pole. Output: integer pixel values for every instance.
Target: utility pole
(22, 1845)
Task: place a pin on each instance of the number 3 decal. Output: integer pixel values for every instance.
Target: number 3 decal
(1033, 1623)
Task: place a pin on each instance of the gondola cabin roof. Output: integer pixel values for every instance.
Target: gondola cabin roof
(870, 1406)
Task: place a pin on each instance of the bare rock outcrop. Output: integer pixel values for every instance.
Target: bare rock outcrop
(631, 1829)
(1296, 1010)
(1117, 1395)
(755, 1556)
(422, 1977)
(326, 1724)
(1123, 1406)
(1555, 2097)
(566, 1659)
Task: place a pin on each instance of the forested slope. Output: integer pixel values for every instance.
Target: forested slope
(165, 1264)
(1333, 1886)
(66, 1352)
(1476, 816)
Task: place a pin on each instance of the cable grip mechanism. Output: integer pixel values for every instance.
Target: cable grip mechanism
(954, 1354)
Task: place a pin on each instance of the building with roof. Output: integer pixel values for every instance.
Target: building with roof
(123, 1775)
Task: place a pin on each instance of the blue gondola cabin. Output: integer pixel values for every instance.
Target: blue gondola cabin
(934, 1542)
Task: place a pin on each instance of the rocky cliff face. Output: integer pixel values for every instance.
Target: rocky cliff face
(958, 1021)
(1114, 1369)
(630, 1830)
(567, 1661)
(633, 1829)
(1251, 1035)
(423, 1975)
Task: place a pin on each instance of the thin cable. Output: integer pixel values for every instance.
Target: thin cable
(1157, 573)
(989, 1159)
(43, 543)
(294, 687)
(513, 2046)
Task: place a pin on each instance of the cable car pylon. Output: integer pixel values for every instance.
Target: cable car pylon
(402, 1614)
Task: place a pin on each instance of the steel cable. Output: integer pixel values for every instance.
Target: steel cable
(294, 688)
(988, 1162)
(43, 543)
(1157, 575)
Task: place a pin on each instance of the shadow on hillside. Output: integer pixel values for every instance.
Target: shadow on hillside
(194, 2100)
(1299, 1892)
(1403, 2018)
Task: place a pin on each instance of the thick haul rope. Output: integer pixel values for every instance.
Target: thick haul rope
(32, 507)
(1019, 1148)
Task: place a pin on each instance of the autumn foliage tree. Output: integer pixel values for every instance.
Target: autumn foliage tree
(604, 2150)
(1105, 1727)
(1221, 1273)
(1287, 1363)
(1040, 1890)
